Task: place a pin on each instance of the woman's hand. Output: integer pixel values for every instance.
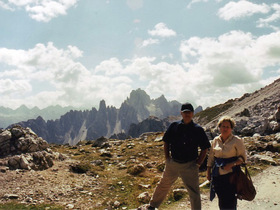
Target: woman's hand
(228, 166)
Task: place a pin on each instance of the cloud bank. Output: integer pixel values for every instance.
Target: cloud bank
(211, 69)
(243, 9)
(41, 11)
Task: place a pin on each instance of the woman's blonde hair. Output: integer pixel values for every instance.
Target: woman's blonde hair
(226, 119)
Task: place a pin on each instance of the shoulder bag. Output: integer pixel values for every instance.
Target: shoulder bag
(245, 189)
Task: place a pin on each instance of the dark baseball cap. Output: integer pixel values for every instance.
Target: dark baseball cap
(187, 107)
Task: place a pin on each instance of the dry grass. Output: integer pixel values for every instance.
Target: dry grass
(209, 114)
(118, 184)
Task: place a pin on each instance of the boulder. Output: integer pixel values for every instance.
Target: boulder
(24, 164)
(144, 197)
(263, 159)
(101, 142)
(277, 137)
(21, 148)
(136, 170)
(14, 162)
(11, 196)
(105, 153)
(18, 140)
(178, 194)
(5, 135)
(17, 132)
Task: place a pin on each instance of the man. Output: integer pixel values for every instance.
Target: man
(181, 142)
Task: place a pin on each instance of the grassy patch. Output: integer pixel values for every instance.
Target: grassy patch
(209, 114)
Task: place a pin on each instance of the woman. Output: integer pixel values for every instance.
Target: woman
(227, 152)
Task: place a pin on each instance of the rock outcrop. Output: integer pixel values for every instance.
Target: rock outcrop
(253, 112)
(21, 148)
(151, 124)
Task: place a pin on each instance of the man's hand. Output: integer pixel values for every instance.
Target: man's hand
(201, 157)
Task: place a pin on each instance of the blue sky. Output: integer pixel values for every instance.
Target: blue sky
(78, 52)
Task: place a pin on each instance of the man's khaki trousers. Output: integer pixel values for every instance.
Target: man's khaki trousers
(189, 174)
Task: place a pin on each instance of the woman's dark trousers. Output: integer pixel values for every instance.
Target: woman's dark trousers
(226, 192)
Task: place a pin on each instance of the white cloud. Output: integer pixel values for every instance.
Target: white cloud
(109, 67)
(41, 10)
(195, 2)
(15, 87)
(41, 59)
(212, 70)
(6, 6)
(272, 20)
(150, 41)
(242, 8)
(66, 81)
(162, 30)
(230, 64)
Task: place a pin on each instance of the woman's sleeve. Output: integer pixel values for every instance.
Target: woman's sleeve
(210, 160)
(241, 151)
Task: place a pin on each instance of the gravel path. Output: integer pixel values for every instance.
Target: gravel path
(267, 185)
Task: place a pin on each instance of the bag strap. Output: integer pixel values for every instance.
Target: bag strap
(247, 172)
(242, 159)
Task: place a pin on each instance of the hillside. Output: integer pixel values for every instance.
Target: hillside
(253, 111)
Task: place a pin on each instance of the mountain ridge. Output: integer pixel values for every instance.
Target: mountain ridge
(9, 116)
(75, 126)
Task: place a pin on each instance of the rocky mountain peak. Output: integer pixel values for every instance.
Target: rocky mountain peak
(102, 105)
(138, 98)
(22, 108)
(161, 99)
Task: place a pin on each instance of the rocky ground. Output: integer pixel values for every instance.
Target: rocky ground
(55, 185)
(76, 191)
(115, 174)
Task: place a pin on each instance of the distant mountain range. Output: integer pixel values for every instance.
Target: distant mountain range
(75, 126)
(139, 113)
(9, 116)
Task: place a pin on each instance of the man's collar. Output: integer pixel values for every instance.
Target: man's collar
(190, 123)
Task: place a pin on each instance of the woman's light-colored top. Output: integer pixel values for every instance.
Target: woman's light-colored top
(232, 147)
